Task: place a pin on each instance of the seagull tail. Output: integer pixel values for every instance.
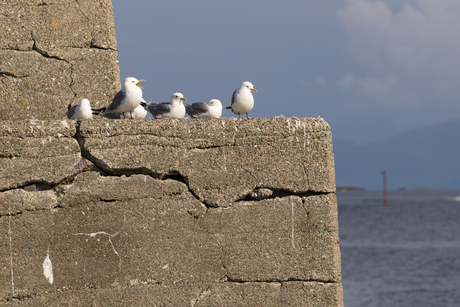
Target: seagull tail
(228, 107)
(97, 111)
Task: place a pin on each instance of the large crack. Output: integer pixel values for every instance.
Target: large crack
(12, 75)
(174, 175)
(46, 54)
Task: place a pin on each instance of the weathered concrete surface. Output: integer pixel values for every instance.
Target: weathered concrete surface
(279, 239)
(37, 151)
(274, 294)
(222, 160)
(55, 53)
(168, 212)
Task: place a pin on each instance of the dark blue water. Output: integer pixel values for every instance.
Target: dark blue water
(404, 254)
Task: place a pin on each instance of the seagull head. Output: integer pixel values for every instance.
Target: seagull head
(248, 85)
(85, 103)
(178, 97)
(214, 102)
(130, 80)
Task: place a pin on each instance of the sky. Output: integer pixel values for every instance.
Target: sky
(371, 69)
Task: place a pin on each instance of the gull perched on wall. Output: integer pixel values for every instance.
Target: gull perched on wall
(213, 109)
(173, 109)
(138, 113)
(80, 111)
(242, 99)
(127, 99)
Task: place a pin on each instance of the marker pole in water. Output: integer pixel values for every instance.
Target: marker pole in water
(384, 173)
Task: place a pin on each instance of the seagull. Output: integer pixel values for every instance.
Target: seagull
(173, 109)
(242, 100)
(204, 110)
(127, 99)
(139, 112)
(80, 111)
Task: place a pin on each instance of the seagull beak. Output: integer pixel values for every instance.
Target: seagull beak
(253, 89)
(183, 98)
(138, 83)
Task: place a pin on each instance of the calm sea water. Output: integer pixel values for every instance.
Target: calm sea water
(404, 254)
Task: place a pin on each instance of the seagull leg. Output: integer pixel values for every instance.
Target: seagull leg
(131, 112)
(247, 115)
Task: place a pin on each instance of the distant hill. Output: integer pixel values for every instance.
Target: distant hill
(428, 157)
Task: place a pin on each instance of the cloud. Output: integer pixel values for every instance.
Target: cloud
(347, 82)
(371, 86)
(418, 43)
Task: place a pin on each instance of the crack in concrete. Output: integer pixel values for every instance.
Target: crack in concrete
(206, 291)
(110, 236)
(12, 75)
(19, 213)
(46, 54)
(277, 193)
(281, 281)
(81, 10)
(202, 295)
(10, 234)
(172, 175)
(292, 232)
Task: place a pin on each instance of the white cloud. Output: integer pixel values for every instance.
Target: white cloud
(347, 82)
(379, 87)
(417, 42)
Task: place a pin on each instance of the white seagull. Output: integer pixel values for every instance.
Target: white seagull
(138, 113)
(80, 111)
(173, 109)
(127, 99)
(204, 110)
(242, 100)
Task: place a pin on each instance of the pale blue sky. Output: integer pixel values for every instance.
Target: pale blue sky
(371, 69)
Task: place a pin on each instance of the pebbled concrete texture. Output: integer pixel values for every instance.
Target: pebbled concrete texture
(168, 212)
(222, 160)
(54, 53)
(37, 151)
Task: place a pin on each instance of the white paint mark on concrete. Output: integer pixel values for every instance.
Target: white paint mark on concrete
(110, 236)
(48, 269)
(304, 135)
(10, 234)
(292, 234)
(225, 159)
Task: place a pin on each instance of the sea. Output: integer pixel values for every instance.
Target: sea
(405, 253)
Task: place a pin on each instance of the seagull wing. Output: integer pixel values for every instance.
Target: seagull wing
(117, 100)
(72, 111)
(198, 109)
(233, 99)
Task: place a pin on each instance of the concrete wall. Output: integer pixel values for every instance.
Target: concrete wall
(54, 53)
(220, 212)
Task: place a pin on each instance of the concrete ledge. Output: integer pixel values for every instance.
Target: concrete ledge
(37, 152)
(222, 160)
(168, 212)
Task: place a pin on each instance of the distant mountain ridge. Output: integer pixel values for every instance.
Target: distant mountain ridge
(427, 157)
